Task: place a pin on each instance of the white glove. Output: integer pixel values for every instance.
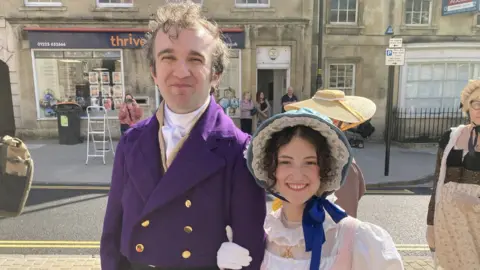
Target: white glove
(231, 255)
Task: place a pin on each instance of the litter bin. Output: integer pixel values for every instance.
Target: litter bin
(68, 120)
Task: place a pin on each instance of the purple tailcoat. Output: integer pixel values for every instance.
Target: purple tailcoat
(209, 172)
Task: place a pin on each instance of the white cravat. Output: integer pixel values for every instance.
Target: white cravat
(176, 126)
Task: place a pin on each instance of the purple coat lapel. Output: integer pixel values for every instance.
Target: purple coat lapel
(194, 163)
(144, 160)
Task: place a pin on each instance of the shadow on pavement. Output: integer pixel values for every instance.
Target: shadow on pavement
(54, 198)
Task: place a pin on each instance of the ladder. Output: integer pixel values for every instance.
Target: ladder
(98, 131)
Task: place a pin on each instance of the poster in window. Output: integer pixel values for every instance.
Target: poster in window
(106, 90)
(117, 91)
(117, 77)
(93, 77)
(94, 91)
(105, 77)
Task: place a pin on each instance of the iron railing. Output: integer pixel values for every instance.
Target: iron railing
(424, 125)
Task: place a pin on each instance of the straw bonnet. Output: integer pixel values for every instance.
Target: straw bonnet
(341, 156)
(469, 93)
(334, 104)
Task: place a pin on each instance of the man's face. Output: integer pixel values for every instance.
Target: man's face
(184, 68)
(290, 91)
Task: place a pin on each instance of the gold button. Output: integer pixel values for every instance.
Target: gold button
(188, 229)
(139, 248)
(146, 223)
(186, 254)
(188, 203)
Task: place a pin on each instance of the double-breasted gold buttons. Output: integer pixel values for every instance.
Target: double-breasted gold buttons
(139, 248)
(186, 254)
(146, 223)
(188, 203)
(188, 229)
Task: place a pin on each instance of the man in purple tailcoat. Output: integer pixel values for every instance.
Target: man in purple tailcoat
(179, 177)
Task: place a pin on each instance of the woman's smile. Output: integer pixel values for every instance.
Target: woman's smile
(297, 187)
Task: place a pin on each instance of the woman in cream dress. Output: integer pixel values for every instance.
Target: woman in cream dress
(453, 221)
(300, 157)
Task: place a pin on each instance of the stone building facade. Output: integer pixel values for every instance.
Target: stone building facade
(89, 52)
(442, 46)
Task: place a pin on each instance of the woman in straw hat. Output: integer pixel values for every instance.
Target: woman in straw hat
(346, 112)
(453, 231)
(300, 157)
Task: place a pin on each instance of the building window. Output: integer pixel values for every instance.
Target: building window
(437, 85)
(36, 3)
(89, 78)
(229, 91)
(478, 19)
(252, 3)
(417, 12)
(342, 77)
(115, 3)
(343, 11)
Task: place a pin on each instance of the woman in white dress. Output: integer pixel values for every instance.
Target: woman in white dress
(300, 157)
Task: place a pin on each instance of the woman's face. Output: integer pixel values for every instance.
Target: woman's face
(262, 95)
(297, 172)
(474, 111)
(128, 97)
(247, 96)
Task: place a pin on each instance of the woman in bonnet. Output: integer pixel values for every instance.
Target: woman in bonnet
(453, 219)
(300, 157)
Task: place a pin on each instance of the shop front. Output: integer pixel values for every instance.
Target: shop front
(98, 66)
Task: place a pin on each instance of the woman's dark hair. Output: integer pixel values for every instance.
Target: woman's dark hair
(127, 94)
(258, 96)
(283, 137)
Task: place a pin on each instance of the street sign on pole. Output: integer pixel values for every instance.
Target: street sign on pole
(395, 57)
(395, 42)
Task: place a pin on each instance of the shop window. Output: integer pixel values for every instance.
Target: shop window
(114, 3)
(437, 85)
(89, 78)
(343, 11)
(418, 12)
(49, 3)
(252, 3)
(342, 77)
(229, 91)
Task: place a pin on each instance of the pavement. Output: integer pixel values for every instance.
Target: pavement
(62, 227)
(65, 164)
(92, 262)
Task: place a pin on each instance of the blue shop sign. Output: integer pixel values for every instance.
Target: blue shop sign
(107, 40)
(450, 7)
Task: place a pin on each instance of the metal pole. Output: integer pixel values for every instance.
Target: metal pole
(388, 119)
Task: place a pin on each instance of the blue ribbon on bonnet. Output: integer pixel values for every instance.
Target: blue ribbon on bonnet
(312, 222)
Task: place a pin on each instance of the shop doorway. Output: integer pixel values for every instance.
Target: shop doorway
(273, 83)
(7, 119)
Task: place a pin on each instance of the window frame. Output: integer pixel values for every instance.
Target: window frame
(338, 10)
(56, 3)
(114, 5)
(250, 5)
(430, 15)
(35, 78)
(354, 76)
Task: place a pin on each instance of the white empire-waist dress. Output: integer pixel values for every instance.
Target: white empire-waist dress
(350, 245)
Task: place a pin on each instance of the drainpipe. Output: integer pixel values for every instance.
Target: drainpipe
(319, 82)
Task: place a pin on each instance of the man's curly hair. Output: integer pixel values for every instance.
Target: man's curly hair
(175, 17)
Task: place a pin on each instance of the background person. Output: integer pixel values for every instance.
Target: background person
(129, 114)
